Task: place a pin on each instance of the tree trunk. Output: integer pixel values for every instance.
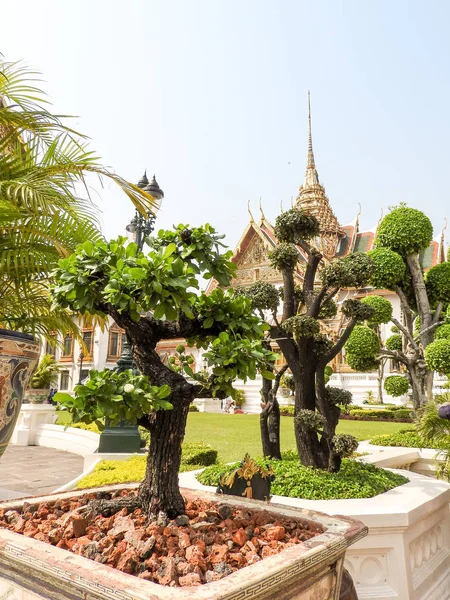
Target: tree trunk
(421, 383)
(331, 414)
(159, 492)
(421, 296)
(380, 380)
(269, 418)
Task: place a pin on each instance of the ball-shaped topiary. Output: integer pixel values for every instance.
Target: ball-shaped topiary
(264, 296)
(285, 256)
(353, 308)
(328, 310)
(396, 385)
(442, 332)
(382, 309)
(394, 342)
(437, 356)
(355, 270)
(362, 348)
(337, 396)
(389, 268)
(295, 226)
(301, 326)
(344, 444)
(437, 281)
(405, 230)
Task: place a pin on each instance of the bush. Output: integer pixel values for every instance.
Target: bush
(394, 342)
(407, 438)
(382, 309)
(396, 385)
(194, 456)
(292, 479)
(193, 407)
(287, 411)
(437, 356)
(361, 348)
(401, 414)
(239, 398)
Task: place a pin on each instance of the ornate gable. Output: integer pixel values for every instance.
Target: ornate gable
(253, 262)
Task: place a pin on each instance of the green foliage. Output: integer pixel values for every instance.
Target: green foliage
(284, 257)
(389, 270)
(328, 310)
(344, 444)
(328, 373)
(310, 419)
(405, 230)
(382, 309)
(295, 226)
(264, 296)
(434, 431)
(115, 396)
(437, 356)
(236, 358)
(287, 381)
(442, 332)
(406, 438)
(396, 385)
(107, 472)
(46, 373)
(394, 342)
(381, 415)
(239, 398)
(356, 309)
(354, 480)
(337, 396)
(301, 326)
(354, 270)
(362, 348)
(437, 281)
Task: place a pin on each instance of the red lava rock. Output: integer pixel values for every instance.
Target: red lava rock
(190, 579)
(277, 532)
(219, 553)
(79, 526)
(240, 537)
(128, 562)
(207, 543)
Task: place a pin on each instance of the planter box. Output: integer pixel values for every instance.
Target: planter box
(33, 570)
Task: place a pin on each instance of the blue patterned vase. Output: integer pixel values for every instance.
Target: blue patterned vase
(19, 354)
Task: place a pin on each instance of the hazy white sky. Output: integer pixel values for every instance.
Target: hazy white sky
(211, 95)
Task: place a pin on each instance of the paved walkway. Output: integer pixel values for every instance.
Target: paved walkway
(34, 470)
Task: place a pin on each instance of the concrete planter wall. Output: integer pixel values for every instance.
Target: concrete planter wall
(33, 570)
(19, 354)
(31, 418)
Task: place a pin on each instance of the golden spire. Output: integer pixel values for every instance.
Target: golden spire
(313, 200)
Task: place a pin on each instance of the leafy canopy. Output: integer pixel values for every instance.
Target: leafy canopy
(396, 385)
(382, 309)
(389, 270)
(405, 230)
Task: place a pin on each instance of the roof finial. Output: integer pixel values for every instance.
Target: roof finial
(263, 216)
(143, 181)
(311, 163)
(252, 220)
(281, 206)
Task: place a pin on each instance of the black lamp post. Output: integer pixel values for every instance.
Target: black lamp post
(125, 437)
(81, 366)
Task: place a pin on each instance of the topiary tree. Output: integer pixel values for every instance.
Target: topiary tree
(401, 236)
(396, 385)
(156, 297)
(299, 334)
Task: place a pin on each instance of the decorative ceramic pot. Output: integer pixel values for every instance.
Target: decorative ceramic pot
(36, 396)
(19, 354)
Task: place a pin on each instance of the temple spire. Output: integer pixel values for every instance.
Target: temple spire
(311, 175)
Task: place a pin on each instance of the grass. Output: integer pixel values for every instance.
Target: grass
(234, 435)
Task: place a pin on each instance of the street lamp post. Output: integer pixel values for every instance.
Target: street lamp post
(125, 437)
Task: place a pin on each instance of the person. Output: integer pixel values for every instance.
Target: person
(444, 411)
(227, 405)
(50, 396)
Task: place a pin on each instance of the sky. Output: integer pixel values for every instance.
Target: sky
(211, 96)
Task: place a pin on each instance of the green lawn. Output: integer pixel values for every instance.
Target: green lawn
(234, 435)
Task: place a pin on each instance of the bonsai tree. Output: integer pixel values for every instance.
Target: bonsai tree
(298, 332)
(156, 297)
(402, 235)
(44, 165)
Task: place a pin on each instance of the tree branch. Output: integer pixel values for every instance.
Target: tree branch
(340, 343)
(438, 312)
(430, 328)
(405, 332)
(310, 276)
(395, 354)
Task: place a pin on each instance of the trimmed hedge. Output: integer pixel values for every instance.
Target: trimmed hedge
(354, 480)
(398, 414)
(406, 438)
(194, 456)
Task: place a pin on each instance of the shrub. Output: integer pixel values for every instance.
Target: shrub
(287, 411)
(292, 479)
(442, 332)
(194, 456)
(394, 342)
(401, 414)
(239, 398)
(362, 347)
(405, 230)
(382, 309)
(396, 385)
(407, 438)
(389, 268)
(193, 407)
(437, 356)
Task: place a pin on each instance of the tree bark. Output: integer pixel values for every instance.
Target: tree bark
(269, 419)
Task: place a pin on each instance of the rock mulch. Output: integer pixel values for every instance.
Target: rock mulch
(206, 544)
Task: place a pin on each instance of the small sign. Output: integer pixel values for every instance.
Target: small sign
(249, 480)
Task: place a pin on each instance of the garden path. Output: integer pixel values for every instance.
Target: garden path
(33, 470)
